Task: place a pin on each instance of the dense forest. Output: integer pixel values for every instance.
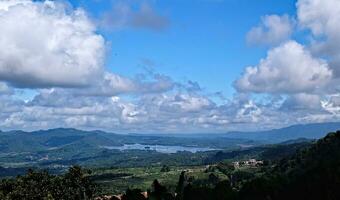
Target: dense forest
(311, 172)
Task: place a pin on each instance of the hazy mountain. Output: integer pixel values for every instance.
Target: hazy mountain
(63, 147)
(14, 141)
(308, 131)
(20, 141)
(69, 146)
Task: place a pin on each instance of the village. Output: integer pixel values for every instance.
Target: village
(247, 163)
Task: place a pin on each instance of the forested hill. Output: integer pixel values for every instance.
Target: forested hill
(311, 173)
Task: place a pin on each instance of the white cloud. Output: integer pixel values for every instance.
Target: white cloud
(113, 84)
(332, 104)
(46, 45)
(288, 68)
(4, 89)
(152, 113)
(272, 30)
(319, 15)
(160, 113)
(186, 103)
(322, 18)
(6, 4)
(302, 101)
(248, 113)
(43, 45)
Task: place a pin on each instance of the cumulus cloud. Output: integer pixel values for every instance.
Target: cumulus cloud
(110, 113)
(62, 50)
(249, 112)
(113, 84)
(302, 101)
(123, 15)
(181, 112)
(186, 103)
(288, 68)
(301, 78)
(332, 104)
(318, 15)
(62, 58)
(160, 113)
(43, 45)
(272, 30)
(5, 89)
(322, 18)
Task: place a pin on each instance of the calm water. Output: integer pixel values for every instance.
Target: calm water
(158, 148)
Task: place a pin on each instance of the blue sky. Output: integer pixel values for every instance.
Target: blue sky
(204, 41)
(169, 66)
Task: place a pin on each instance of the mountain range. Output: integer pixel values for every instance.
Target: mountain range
(308, 131)
(63, 147)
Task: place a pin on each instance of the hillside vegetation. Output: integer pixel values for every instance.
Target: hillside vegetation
(311, 172)
(61, 148)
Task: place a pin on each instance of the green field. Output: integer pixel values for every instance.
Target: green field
(115, 181)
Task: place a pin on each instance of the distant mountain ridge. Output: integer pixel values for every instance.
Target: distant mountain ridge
(308, 131)
(66, 146)
(62, 147)
(294, 132)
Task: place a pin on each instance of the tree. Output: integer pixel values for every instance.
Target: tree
(134, 194)
(165, 168)
(159, 192)
(180, 186)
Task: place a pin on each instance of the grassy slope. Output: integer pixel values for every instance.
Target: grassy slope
(119, 179)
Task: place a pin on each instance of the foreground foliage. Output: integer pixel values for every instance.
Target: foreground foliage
(43, 186)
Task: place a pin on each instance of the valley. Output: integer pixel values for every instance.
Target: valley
(118, 162)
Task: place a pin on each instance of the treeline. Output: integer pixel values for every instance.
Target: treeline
(40, 185)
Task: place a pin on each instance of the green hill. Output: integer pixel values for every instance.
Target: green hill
(311, 173)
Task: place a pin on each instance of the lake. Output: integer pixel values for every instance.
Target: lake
(159, 148)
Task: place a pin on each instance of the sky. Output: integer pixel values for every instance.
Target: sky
(168, 66)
